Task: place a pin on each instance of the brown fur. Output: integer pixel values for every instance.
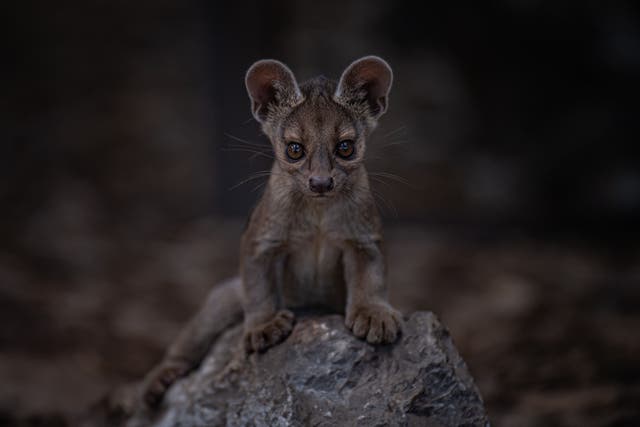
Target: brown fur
(302, 249)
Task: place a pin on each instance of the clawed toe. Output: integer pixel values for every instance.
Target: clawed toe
(377, 323)
(270, 333)
(159, 381)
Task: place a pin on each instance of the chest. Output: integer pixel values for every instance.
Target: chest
(313, 252)
(313, 273)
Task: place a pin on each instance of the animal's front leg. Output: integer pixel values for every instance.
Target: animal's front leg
(368, 313)
(267, 323)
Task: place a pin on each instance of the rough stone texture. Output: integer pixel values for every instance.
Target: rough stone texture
(323, 376)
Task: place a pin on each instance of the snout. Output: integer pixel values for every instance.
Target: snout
(321, 184)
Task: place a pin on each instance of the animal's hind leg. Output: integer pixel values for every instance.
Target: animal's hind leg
(221, 310)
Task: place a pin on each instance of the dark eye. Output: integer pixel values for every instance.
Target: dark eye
(295, 151)
(345, 148)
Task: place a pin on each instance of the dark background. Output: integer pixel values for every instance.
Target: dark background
(511, 129)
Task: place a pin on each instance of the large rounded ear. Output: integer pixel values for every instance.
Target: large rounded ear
(270, 84)
(366, 81)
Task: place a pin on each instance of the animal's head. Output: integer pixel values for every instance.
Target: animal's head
(319, 129)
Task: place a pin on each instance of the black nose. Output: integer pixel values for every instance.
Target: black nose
(321, 184)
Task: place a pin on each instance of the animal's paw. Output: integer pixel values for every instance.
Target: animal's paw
(160, 379)
(378, 323)
(259, 338)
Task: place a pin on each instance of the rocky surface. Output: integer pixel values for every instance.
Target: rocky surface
(323, 376)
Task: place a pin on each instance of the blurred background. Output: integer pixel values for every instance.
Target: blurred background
(510, 193)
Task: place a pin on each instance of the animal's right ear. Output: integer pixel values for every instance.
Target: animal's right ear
(271, 84)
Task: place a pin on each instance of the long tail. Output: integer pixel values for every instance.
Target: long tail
(222, 309)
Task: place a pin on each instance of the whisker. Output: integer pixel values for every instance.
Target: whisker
(380, 181)
(395, 143)
(249, 179)
(256, 175)
(252, 147)
(387, 205)
(401, 128)
(246, 142)
(259, 185)
(249, 150)
(242, 145)
(386, 202)
(393, 177)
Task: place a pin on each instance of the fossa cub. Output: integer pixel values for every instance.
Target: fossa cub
(314, 238)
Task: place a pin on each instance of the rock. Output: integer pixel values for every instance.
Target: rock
(324, 376)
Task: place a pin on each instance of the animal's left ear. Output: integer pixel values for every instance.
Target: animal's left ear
(366, 81)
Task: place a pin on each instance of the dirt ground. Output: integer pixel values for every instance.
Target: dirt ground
(548, 329)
